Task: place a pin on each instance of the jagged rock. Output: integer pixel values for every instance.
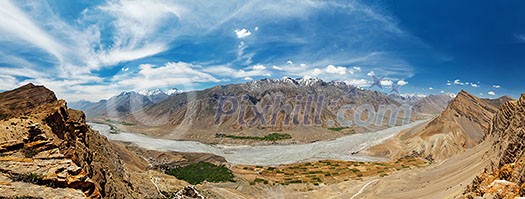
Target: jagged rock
(188, 192)
(462, 125)
(505, 177)
(48, 151)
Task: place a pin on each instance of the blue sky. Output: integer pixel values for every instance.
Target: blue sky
(95, 49)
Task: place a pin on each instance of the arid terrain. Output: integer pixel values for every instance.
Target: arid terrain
(48, 150)
(253, 99)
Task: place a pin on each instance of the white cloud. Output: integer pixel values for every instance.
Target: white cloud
(387, 82)
(357, 82)
(248, 78)
(80, 49)
(430, 88)
(172, 73)
(230, 72)
(336, 69)
(442, 91)
(15, 23)
(474, 85)
(22, 72)
(8, 82)
(458, 82)
(371, 73)
(316, 72)
(277, 67)
(256, 28)
(242, 33)
(258, 67)
(125, 69)
(139, 28)
(491, 93)
(496, 86)
(402, 82)
(354, 69)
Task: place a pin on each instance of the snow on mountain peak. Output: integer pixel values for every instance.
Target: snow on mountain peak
(173, 91)
(309, 81)
(151, 92)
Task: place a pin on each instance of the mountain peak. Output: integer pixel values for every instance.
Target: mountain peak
(173, 91)
(151, 92)
(309, 81)
(24, 99)
(126, 93)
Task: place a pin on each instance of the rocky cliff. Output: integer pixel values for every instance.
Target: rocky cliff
(48, 151)
(505, 177)
(462, 125)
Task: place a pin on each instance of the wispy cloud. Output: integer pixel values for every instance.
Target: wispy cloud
(172, 73)
(520, 38)
(82, 55)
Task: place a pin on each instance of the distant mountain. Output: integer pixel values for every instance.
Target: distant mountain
(114, 107)
(155, 95)
(173, 91)
(124, 103)
(195, 111)
(463, 124)
(431, 104)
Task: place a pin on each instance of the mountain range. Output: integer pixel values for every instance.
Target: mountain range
(194, 113)
(124, 103)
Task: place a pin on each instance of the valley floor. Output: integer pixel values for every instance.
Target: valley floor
(414, 181)
(440, 180)
(344, 148)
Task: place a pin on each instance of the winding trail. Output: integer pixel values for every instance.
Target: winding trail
(363, 188)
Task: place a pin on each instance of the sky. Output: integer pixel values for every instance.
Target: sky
(92, 50)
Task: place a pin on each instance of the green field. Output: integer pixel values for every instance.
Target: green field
(270, 137)
(202, 171)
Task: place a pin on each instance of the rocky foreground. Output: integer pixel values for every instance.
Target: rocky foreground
(48, 151)
(505, 177)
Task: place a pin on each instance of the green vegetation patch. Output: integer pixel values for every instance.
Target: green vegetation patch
(270, 137)
(337, 128)
(202, 171)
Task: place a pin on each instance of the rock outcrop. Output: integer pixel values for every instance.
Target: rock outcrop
(48, 151)
(505, 177)
(462, 125)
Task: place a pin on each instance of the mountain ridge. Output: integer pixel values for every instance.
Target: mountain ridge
(462, 125)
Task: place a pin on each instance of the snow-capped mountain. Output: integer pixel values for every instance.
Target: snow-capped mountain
(173, 91)
(152, 92)
(309, 81)
(157, 95)
(156, 92)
